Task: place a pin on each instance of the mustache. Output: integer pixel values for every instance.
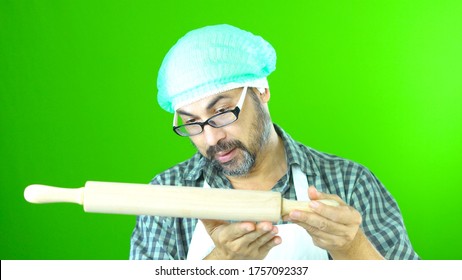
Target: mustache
(223, 147)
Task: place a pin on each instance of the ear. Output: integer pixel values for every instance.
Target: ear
(263, 96)
(266, 95)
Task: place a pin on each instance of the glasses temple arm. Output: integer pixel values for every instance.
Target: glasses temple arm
(175, 119)
(241, 100)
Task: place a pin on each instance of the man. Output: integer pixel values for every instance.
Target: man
(214, 81)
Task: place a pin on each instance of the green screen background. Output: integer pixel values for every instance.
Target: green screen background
(378, 82)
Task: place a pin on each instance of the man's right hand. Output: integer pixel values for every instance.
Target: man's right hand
(241, 241)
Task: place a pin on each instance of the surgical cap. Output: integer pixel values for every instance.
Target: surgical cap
(211, 60)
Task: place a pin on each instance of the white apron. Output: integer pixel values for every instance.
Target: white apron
(296, 242)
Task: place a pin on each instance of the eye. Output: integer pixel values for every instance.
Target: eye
(190, 121)
(221, 110)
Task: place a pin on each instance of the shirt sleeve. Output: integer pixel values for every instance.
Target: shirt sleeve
(153, 239)
(382, 219)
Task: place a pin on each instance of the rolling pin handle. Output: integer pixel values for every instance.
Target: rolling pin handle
(48, 194)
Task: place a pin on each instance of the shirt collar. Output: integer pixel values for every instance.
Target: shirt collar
(296, 153)
(199, 164)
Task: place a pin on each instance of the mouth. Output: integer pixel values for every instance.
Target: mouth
(225, 156)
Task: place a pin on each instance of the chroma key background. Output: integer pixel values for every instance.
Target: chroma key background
(378, 82)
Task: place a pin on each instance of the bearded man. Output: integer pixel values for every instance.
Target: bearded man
(214, 81)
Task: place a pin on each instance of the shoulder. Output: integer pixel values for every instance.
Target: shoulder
(314, 162)
(340, 176)
(326, 164)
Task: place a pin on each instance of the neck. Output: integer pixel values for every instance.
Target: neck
(270, 166)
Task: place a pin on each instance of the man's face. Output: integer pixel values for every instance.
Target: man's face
(234, 148)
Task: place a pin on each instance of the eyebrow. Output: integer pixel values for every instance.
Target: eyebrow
(215, 100)
(209, 106)
(181, 112)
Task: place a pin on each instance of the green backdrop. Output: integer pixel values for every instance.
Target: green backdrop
(378, 82)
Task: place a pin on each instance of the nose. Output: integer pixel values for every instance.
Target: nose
(213, 135)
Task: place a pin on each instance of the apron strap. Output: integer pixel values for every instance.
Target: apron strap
(300, 183)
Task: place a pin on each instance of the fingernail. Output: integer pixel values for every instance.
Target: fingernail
(248, 228)
(314, 204)
(266, 228)
(295, 214)
(275, 230)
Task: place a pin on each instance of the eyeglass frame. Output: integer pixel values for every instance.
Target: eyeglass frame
(235, 112)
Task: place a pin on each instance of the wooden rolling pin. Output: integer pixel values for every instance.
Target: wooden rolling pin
(172, 201)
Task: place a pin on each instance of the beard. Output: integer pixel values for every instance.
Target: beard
(246, 156)
(240, 165)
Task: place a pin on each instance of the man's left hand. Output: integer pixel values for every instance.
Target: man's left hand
(333, 228)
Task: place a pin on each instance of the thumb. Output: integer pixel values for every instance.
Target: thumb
(313, 193)
(212, 225)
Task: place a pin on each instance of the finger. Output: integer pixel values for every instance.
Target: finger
(272, 242)
(233, 231)
(262, 240)
(328, 241)
(267, 230)
(268, 240)
(314, 223)
(314, 194)
(265, 227)
(261, 230)
(318, 235)
(342, 214)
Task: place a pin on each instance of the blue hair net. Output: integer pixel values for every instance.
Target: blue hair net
(210, 60)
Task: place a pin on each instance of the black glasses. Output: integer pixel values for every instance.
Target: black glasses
(219, 120)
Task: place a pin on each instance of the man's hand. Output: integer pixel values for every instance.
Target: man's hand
(335, 228)
(241, 241)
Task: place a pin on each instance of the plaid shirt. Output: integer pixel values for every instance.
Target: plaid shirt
(166, 238)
